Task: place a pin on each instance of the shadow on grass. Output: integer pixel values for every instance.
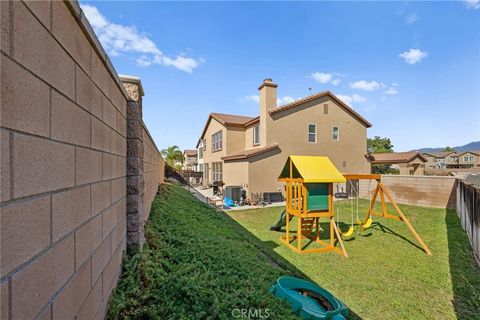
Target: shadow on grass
(464, 271)
(386, 229)
(267, 248)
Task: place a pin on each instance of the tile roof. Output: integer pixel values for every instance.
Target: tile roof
(227, 120)
(394, 157)
(439, 154)
(476, 152)
(231, 119)
(190, 152)
(248, 153)
(320, 94)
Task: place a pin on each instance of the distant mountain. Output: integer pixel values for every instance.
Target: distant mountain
(475, 145)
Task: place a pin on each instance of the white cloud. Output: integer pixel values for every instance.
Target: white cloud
(366, 85)
(472, 4)
(336, 82)
(322, 77)
(280, 101)
(119, 39)
(352, 98)
(413, 56)
(411, 18)
(252, 98)
(391, 91)
(285, 100)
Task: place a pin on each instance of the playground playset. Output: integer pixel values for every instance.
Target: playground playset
(310, 196)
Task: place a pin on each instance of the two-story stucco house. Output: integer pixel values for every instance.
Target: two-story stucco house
(190, 160)
(469, 159)
(251, 151)
(441, 160)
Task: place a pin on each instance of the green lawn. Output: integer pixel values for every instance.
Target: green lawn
(387, 276)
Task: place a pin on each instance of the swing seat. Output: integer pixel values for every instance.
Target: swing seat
(348, 233)
(367, 224)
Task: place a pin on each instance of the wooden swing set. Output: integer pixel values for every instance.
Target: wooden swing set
(309, 197)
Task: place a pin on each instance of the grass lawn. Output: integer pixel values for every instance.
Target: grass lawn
(387, 276)
(197, 263)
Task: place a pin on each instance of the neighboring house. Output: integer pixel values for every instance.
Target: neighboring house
(250, 151)
(190, 160)
(441, 160)
(408, 163)
(469, 159)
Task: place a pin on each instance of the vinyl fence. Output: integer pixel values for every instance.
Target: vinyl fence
(468, 209)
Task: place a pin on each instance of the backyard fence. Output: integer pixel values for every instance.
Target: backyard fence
(468, 209)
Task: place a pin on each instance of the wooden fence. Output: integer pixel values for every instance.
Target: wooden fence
(468, 209)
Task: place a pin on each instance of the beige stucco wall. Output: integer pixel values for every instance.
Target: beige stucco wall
(249, 137)
(290, 132)
(235, 173)
(209, 156)
(235, 139)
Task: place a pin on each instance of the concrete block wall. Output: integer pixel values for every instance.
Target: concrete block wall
(63, 165)
(424, 191)
(154, 169)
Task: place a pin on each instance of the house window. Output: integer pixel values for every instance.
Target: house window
(312, 133)
(335, 133)
(217, 171)
(256, 135)
(468, 159)
(200, 150)
(217, 141)
(325, 108)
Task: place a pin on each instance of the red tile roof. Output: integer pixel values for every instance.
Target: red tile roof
(394, 157)
(312, 97)
(245, 154)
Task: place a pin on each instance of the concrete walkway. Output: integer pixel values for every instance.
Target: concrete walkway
(203, 193)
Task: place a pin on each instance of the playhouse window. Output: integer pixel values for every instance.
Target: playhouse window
(256, 135)
(312, 133)
(217, 141)
(335, 133)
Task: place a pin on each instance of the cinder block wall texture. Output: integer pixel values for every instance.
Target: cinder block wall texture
(63, 165)
(425, 191)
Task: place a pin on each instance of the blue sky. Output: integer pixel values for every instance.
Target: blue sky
(411, 68)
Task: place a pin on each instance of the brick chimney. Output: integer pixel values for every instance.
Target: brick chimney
(268, 100)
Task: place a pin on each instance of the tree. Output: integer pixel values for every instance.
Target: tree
(172, 156)
(379, 145)
(447, 149)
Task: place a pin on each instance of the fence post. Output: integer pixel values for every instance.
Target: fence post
(135, 179)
